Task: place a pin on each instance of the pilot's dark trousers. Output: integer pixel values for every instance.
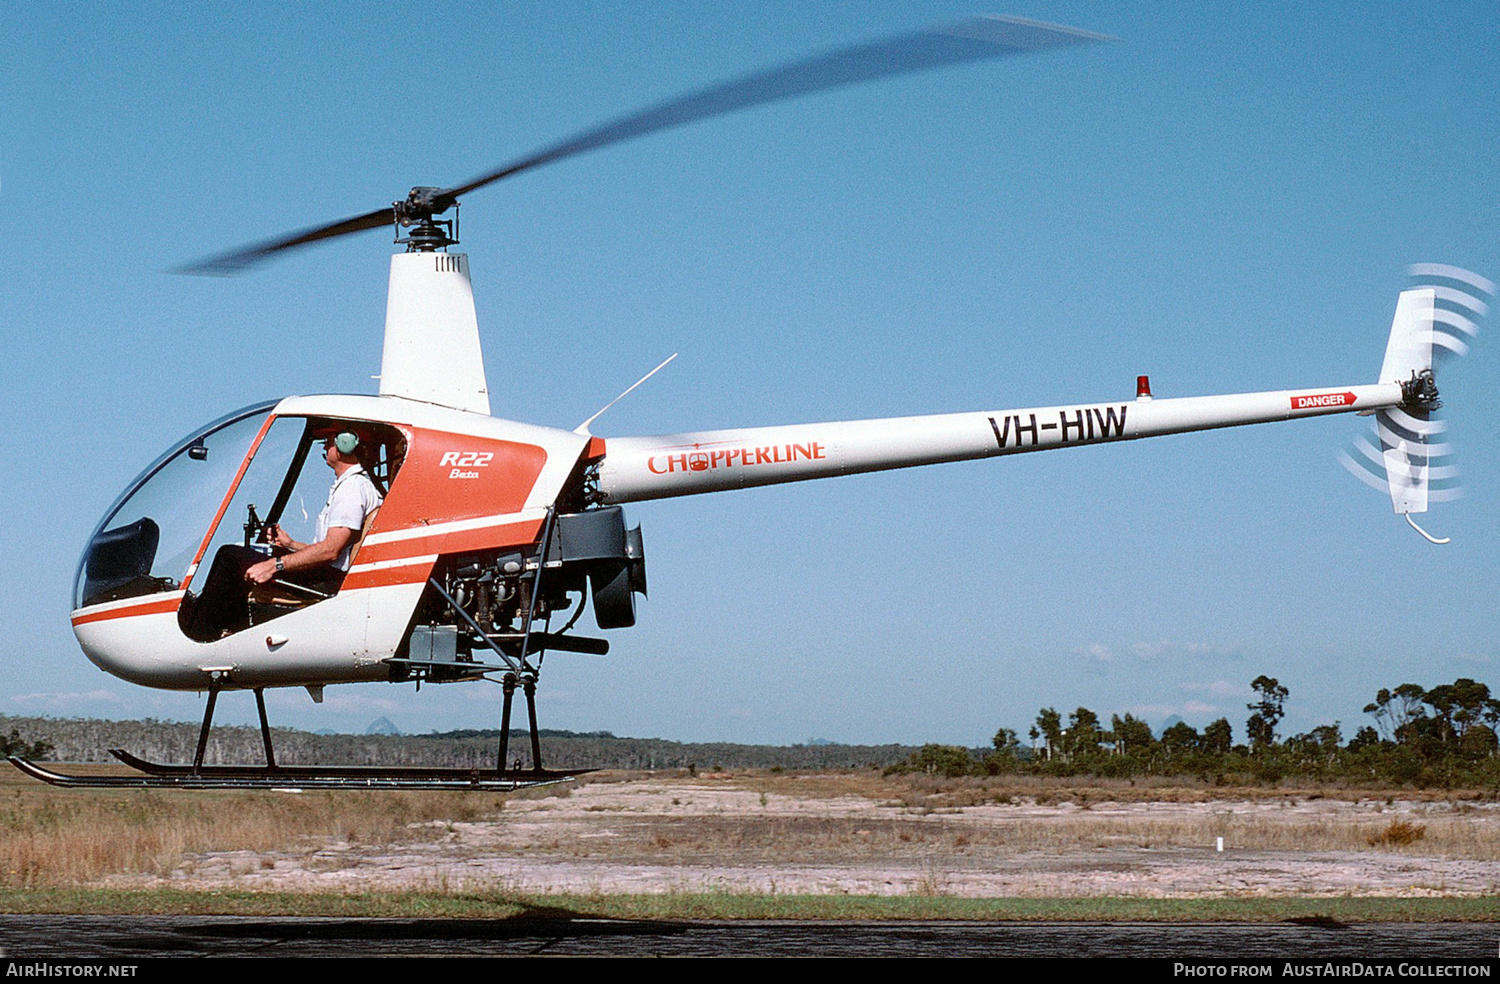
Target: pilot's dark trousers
(223, 606)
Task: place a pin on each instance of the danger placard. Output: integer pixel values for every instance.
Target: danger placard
(1320, 400)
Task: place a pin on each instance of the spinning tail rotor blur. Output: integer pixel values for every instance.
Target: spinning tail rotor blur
(1407, 455)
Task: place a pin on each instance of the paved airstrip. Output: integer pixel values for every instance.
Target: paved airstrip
(116, 938)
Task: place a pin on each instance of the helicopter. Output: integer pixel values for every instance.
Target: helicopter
(494, 537)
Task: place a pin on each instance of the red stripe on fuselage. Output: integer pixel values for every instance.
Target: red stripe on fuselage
(386, 577)
(130, 611)
(457, 541)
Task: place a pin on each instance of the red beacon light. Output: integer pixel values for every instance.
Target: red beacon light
(1143, 387)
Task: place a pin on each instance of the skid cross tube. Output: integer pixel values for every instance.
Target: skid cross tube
(265, 728)
(528, 681)
(509, 686)
(208, 719)
(536, 585)
(529, 684)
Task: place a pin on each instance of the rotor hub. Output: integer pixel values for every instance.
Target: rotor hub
(417, 213)
(1420, 392)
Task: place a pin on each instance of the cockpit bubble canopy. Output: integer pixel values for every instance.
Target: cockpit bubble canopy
(150, 535)
(221, 485)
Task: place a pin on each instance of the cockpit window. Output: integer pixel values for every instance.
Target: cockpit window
(285, 483)
(149, 537)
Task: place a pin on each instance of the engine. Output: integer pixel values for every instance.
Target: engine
(485, 608)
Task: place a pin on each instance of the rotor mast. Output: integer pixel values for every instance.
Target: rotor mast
(432, 351)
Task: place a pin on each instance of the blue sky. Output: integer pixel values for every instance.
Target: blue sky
(1226, 199)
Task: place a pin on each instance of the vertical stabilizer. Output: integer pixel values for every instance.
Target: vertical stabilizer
(432, 348)
(1409, 458)
(1407, 475)
(1410, 347)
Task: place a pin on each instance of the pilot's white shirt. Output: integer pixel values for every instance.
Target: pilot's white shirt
(350, 502)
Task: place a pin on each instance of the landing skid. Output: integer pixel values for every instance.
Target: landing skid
(273, 776)
(153, 775)
(521, 777)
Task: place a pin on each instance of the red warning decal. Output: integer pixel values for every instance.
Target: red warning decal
(1323, 400)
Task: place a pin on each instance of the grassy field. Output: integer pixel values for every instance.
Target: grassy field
(58, 848)
(674, 906)
(68, 838)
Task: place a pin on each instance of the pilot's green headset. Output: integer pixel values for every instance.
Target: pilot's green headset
(346, 442)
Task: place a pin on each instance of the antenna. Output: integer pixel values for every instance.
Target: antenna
(583, 428)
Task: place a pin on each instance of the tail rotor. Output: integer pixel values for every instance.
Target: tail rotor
(1406, 455)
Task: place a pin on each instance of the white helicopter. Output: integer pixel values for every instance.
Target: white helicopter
(490, 531)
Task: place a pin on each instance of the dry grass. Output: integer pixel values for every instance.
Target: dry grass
(1398, 833)
(938, 791)
(1006, 816)
(646, 838)
(55, 837)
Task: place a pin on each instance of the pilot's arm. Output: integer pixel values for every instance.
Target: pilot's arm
(325, 551)
(277, 537)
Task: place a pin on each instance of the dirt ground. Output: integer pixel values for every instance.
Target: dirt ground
(823, 836)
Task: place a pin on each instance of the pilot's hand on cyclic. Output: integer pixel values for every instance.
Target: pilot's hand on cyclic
(277, 537)
(262, 572)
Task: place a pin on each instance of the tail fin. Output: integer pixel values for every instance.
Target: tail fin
(1409, 351)
(1409, 460)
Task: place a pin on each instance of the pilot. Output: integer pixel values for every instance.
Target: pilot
(324, 562)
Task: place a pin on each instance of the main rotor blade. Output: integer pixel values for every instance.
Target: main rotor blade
(968, 40)
(227, 264)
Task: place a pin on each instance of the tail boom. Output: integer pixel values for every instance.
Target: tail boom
(635, 469)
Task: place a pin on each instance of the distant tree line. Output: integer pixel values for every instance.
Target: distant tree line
(14, 744)
(1442, 737)
(90, 739)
